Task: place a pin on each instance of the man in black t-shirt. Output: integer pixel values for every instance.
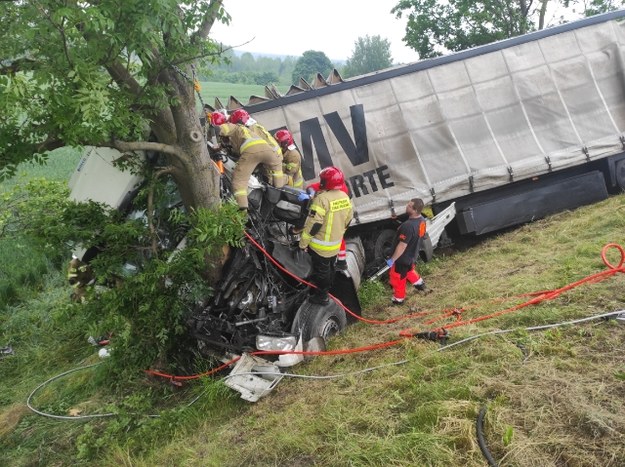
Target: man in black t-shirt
(406, 245)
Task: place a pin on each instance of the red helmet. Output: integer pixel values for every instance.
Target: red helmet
(239, 116)
(331, 178)
(217, 118)
(284, 137)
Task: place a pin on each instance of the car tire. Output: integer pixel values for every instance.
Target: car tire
(314, 320)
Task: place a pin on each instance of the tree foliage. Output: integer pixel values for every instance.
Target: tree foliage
(595, 7)
(311, 63)
(434, 27)
(369, 54)
(122, 75)
(145, 289)
(108, 73)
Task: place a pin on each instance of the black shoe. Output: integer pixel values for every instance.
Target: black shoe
(422, 288)
(341, 265)
(319, 299)
(394, 301)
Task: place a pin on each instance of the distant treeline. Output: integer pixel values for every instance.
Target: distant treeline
(246, 68)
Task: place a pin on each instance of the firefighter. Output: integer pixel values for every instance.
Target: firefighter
(406, 245)
(341, 260)
(218, 118)
(241, 117)
(330, 214)
(252, 151)
(291, 159)
(80, 276)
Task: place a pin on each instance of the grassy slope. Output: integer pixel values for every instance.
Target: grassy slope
(556, 397)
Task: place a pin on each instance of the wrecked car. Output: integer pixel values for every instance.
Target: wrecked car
(260, 302)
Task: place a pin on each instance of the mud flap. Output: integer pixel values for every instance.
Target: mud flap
(343, 288)
(293, 259)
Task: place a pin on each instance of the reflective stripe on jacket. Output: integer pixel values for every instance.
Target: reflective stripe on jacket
(260, 132)
(242, 139)
(330, 214)
(293, 167)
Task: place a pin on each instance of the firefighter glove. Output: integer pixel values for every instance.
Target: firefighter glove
(303, 196)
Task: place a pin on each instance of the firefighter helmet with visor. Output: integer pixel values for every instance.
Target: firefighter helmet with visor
(239, 116)
(217, 118)
(284, 137)
(331, 178)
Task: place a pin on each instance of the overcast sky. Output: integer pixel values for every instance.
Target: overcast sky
(291, 27)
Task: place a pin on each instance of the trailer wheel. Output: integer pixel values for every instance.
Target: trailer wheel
(619, 174)
(382, 246)
(314, 320)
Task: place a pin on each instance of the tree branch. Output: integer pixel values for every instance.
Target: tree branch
(221, 51)
(150, 206)
(124, 146)
(21, 64)
(49, 144)
(207, 23)
(541, 16)
(61, 30)
(123, 77)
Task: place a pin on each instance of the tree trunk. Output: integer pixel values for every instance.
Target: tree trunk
(196, 176)
(194, 172)
(543, 11)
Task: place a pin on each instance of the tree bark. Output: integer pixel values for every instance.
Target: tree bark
(543, 11)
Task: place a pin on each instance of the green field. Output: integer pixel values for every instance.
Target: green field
(223, 91)
(59, 166)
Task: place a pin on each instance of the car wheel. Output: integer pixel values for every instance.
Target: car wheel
(314, 320)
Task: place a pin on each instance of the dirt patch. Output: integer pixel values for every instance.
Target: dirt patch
(10, 417)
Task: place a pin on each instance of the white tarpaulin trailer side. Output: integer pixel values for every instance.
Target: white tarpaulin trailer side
(443, 128)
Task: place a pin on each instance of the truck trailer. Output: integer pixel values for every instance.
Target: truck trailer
(510, 132)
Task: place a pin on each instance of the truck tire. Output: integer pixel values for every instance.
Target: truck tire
(619, 174)
(382, 246)
(314, 320)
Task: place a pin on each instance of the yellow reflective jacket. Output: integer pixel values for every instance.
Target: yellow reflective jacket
(260, 131)
(330, 214)
(292, 165)
(240, 137)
